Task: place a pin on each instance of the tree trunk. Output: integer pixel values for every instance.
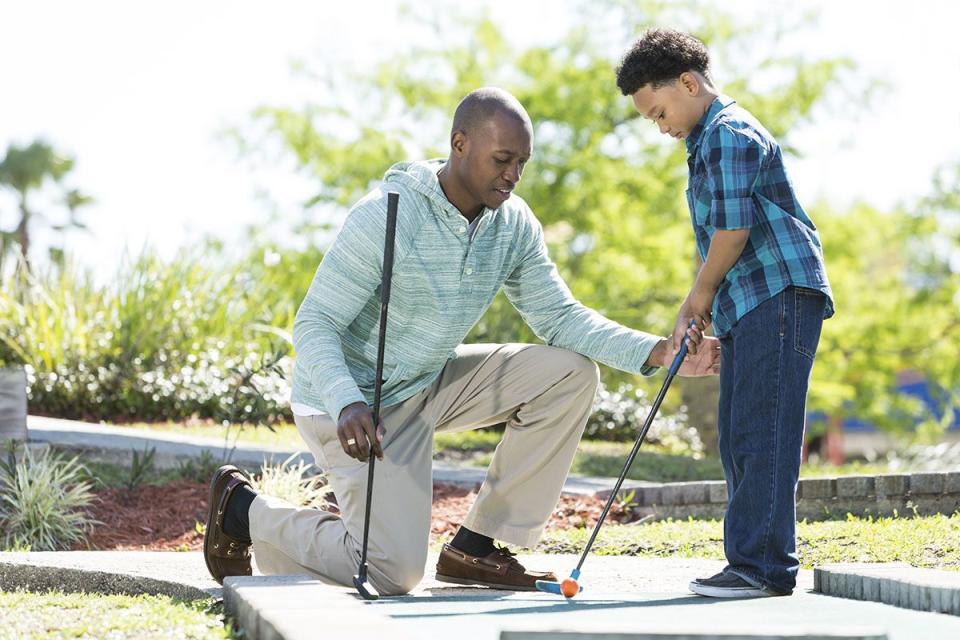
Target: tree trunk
(23, 233)
(13, 404)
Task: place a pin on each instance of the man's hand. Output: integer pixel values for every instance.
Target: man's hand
(356, 433)
(706, 362)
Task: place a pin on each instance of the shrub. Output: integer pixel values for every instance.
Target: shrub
(43, 502)
(293, 483)
(619, 415)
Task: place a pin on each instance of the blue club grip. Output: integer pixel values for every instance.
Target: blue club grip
(678, 359)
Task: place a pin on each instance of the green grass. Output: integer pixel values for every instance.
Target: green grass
(25, 615)
(475, 447)
(284, 435)
(932, 541)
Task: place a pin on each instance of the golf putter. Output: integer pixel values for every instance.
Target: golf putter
(570, 587)
(393, 199)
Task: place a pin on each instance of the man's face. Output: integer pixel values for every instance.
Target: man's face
(675, 108)
(492, 158)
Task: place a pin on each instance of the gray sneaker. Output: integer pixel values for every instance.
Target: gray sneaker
(730, 585)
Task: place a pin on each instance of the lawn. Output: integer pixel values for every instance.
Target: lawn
(475, 448)
(26, 615)
(932, 541)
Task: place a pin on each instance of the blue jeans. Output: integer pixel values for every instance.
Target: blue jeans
(765, 367)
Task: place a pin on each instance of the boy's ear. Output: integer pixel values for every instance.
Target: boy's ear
(690, 83)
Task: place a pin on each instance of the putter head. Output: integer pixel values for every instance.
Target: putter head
(556, 588)
(548, 586)
(364, 589)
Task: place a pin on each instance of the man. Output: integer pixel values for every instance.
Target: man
(461, 237)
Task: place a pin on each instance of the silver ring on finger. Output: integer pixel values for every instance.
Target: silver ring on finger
(351, 441)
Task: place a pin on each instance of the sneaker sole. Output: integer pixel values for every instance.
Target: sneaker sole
(467, 581)
(722, 592)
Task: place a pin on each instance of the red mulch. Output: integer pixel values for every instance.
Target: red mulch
(163, 518)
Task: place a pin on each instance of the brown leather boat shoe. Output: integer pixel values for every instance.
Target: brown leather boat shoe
(499, 570)
(224, 554)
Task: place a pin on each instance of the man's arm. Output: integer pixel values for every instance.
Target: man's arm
(345, 280)
(543, 299)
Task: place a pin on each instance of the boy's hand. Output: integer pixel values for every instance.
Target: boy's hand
(682, 328)
(700, 303)
(696, 308)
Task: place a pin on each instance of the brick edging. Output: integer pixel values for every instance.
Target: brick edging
(817, 498)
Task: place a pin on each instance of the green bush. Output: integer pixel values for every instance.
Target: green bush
(43, 502)
(163, 341)
(619, 416)
(293, 483)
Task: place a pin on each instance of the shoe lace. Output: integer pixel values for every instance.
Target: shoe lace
(506, 553)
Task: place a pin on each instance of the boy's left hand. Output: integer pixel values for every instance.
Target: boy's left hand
(699, 303)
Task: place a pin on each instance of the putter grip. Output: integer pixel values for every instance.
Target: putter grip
(393, 200)
(678, 359)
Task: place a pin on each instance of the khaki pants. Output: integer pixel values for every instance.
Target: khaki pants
(543, 394)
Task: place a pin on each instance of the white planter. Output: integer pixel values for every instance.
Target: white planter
(13, 404)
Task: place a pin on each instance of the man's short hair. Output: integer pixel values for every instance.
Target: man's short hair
(482, 104)
(659, 57)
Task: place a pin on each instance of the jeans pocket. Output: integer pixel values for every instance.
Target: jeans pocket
(808, 312)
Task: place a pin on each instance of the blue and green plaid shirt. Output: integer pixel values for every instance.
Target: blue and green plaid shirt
(738, 181)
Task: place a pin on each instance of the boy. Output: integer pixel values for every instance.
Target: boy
(763, 286)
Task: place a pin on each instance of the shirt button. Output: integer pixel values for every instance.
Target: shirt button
(469, 271)
(462, 230)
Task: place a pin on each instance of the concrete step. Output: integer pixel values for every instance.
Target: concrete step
(898, 584)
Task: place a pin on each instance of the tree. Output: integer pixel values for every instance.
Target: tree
(608, 191)
(27, 170)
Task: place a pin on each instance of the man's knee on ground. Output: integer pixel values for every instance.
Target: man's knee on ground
(397, 579)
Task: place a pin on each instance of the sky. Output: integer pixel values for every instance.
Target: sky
(141, 93)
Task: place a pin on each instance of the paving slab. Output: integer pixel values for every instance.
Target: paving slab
(623, 597)
(898, 584)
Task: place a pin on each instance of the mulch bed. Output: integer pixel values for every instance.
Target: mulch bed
(163, 518)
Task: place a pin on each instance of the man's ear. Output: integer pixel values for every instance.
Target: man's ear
(459, 143)
(690, 83)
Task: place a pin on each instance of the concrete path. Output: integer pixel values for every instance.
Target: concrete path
(623, 597)
(114, 444)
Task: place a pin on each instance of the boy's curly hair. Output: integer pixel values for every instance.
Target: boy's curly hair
(659, 57)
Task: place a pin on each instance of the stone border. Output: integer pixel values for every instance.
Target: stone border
(897, 584)
(817, 498)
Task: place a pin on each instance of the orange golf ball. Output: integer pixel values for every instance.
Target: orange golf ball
(569, 587)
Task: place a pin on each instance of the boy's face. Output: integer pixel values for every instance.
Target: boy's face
(675, 108)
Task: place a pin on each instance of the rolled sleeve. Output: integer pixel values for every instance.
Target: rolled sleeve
(734, 160)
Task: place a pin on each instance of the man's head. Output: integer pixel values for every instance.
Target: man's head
(490, 142)
(667, 74)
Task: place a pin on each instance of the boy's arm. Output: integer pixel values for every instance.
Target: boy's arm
(733, 162)
(725, 249)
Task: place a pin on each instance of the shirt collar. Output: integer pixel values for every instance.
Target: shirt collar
(719, 103)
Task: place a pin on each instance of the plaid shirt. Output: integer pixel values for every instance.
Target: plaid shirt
(738, 181)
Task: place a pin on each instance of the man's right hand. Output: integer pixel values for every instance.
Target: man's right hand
(356, 432)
